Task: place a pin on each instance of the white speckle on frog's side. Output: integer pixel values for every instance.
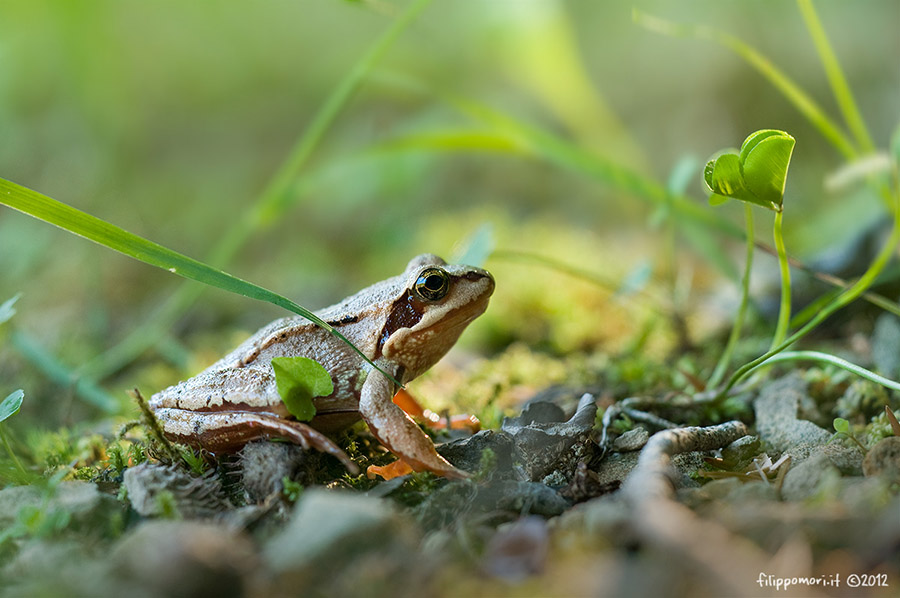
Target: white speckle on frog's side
(173, 270)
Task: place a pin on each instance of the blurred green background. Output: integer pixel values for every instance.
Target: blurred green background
(170, 118)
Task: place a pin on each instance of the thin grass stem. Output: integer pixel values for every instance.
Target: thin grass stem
(10, 452)
(784, 313)
(836, 361)
(848, 296)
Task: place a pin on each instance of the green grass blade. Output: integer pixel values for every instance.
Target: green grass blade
(571, 156)
(109, 235)
(454, 140)
(533, 141)
(837, 361)
(61, 375)
(274, 201)
(836, 78)
(793, 92)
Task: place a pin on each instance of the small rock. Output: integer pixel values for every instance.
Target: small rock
(87, 509)
(776, 415)
(754, 492)
(741, 451)
(632, 440)
(848, 459)
(519, 550)
(466, 452)
(184, 559)
(886, 345)
(804, 480)
(715, 490)
(53, 567)
(529, 497)
(545, 447)
(265, 464)
(585, 485)
(616, 467)
(883, 459)
(331, 525)
(596, 521)
(150, 487)
(537, 412)
(454, 501)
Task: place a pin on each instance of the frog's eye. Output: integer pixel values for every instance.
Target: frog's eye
(432, 284)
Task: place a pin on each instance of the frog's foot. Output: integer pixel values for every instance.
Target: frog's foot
(397, 431)
(390, 471)
(228, 431)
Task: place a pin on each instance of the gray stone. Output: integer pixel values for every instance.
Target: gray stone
(152, 487)
(848, 459)
(776, 415)
(886, 345)
(536, 412)
(530, 497)
(804, 480)
(616, 467)
(265, 464)
(458, 500)
(88, 510)
(517, 550)
(54, 567)
(331, 524)
(183, 559)
(883, 460)
(632, 440)
(545, 447)
(741, 451)
(594, 521)
(466, 452)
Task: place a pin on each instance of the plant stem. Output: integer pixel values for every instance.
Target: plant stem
(857, 289)
(725, 360)
(784, 313)
(9, 451)
(837, 361)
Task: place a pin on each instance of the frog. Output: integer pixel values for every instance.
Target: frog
(404, 325)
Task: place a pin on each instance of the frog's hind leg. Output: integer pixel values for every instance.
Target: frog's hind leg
(229, 431)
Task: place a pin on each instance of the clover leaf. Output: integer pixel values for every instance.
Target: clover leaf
(11, 404)
(299, 380)
(756, 174)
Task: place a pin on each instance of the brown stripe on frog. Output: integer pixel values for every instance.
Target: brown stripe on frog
(406, 312)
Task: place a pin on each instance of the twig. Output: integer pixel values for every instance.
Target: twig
(728, 562)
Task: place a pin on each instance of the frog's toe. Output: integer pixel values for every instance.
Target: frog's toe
(401, 467)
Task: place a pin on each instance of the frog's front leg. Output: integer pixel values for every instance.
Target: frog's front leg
(397, 431)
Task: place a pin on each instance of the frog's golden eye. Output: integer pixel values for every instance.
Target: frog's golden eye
(432, 284)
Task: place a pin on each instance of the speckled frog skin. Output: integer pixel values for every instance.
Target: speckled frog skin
(405, 324)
